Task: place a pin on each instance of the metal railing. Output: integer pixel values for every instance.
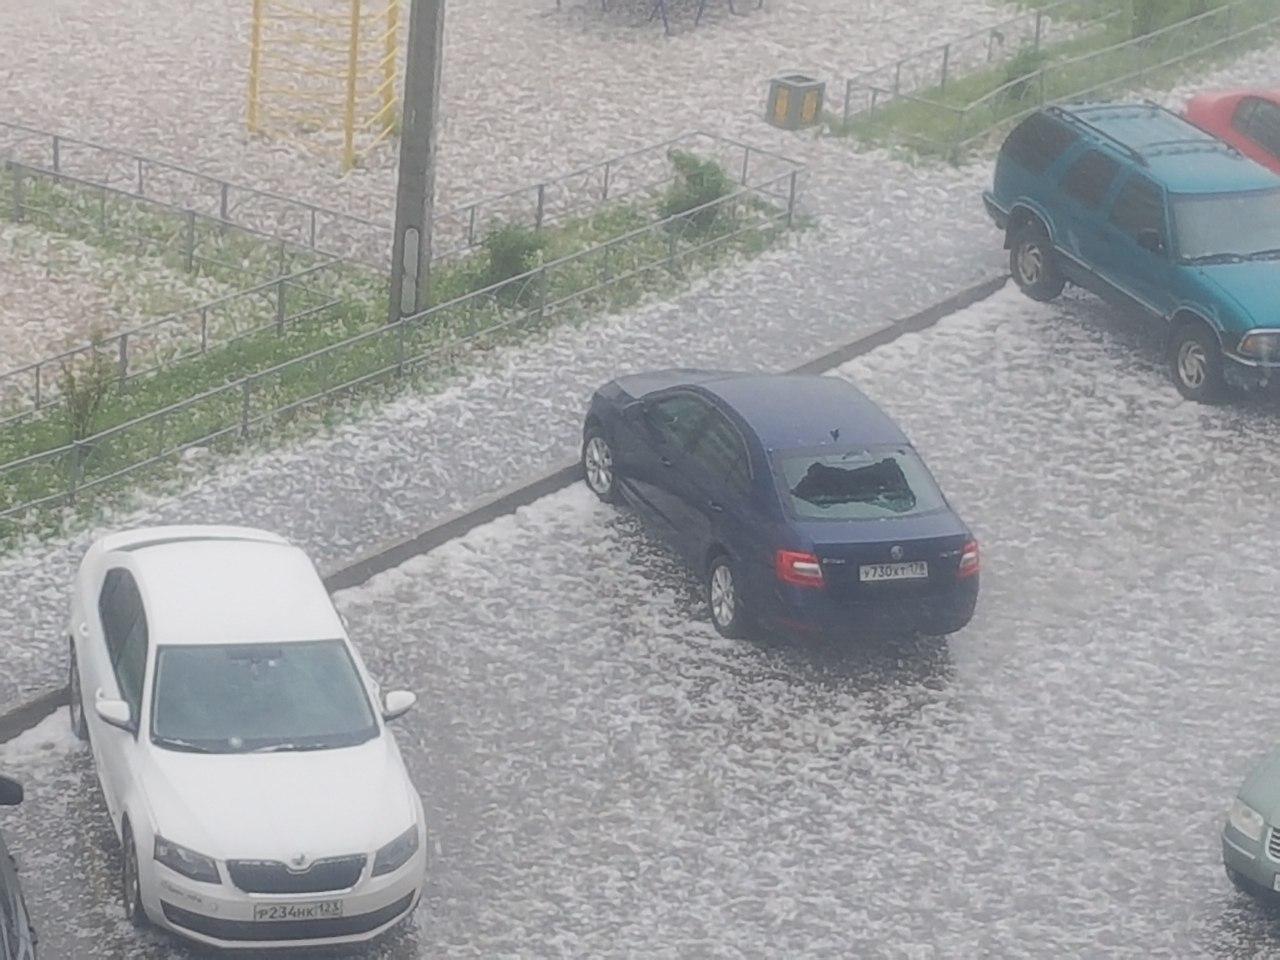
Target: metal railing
(230, 413)
(942, 66)
(288, 284)
(1094, 74)
(456, 230)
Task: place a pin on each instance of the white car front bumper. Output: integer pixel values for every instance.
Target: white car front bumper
(221, 915)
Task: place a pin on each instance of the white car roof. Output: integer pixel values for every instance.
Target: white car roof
(203, 585)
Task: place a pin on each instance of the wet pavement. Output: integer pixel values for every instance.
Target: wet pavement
(606, 776)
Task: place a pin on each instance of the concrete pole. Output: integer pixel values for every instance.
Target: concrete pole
(415, 189)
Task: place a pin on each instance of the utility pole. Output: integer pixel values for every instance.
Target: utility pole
(415, 188)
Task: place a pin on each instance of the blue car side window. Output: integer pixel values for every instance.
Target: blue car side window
(1090, 177)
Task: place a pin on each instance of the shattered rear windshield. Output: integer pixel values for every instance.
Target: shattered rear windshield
(858, 484)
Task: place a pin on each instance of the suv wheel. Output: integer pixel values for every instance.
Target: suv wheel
(1195, 362)
(76, 698)
(1034, 264)
(597, 466)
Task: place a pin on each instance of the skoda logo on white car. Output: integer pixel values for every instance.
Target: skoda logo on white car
(298, 864)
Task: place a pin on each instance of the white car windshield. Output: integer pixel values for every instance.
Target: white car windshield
(241, 698)
(1228, 226)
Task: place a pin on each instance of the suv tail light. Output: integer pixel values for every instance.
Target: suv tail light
(970, 562)
(798, 569)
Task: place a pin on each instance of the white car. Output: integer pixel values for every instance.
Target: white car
(259, 798)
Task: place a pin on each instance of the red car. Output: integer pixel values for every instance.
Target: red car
(1249, 120)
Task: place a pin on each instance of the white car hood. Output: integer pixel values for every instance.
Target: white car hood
(274, 806)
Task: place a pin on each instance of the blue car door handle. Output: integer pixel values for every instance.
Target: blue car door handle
(665, 461)
(715, 506)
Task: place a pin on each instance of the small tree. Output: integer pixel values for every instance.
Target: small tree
(86, 381)
(1018, 72)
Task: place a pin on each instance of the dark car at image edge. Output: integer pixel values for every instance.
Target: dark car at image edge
(799, 504)
(17, 935)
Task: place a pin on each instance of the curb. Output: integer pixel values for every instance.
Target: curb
(26, 715)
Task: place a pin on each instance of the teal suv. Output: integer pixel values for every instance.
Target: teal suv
(1138, 205)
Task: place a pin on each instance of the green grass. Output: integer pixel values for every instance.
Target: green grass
(951, 121)
(431, 349)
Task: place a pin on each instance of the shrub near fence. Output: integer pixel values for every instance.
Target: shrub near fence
(610, 274)
(1097, 63)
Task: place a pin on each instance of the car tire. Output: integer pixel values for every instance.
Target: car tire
(75, 696)
(1034, 263)
(597, 465)
(131, 880)
(728, 613)
(1196, 364)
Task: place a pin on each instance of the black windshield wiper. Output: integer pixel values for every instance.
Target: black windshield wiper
(187, 746)
(1271, 254)
(1209, 258)
(293, 747)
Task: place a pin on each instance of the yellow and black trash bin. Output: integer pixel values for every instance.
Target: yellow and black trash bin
(795, 101)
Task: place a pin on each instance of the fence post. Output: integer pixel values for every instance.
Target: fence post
(141, 187)
(124, 357)
(57, 154)
(223, 206)
(746, 161)
(245, 393)
(313, 228)
(791, 199)
(946, 63)
(1039, 29)
(280, 306)
(542, 203)
(471, 227)
(400, 347)
(204, 329)
(17, 192)
(608, 167)
(37, 375)
(191, 241)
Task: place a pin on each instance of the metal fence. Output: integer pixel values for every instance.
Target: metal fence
(279, 283)
(231, 413)
(940, 67)
(456, 230)
(955, 129)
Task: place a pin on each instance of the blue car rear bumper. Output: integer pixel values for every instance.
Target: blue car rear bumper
(813, 611)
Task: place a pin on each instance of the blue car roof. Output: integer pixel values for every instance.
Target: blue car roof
(1171, 149)
(790, 411)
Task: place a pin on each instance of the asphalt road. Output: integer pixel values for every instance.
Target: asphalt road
(606, 777)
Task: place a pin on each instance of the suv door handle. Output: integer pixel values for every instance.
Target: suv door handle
(715, 507)
(83, 629)
(665, 461)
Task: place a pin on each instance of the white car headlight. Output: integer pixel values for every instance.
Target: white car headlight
(396, 854)
(1246, 819)
(186, 862)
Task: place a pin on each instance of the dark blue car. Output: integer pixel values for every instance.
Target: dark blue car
(795, 498)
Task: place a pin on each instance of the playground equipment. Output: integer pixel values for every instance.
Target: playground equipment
(323, 73)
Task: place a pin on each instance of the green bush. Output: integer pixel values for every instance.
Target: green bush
(512, 250)
(1019, 71)
(698, 182)
(1151, 15)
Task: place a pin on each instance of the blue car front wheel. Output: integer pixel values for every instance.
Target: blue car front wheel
(1195, 362)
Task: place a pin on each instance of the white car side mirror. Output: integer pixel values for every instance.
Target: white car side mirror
(397, 703)
(116, 713)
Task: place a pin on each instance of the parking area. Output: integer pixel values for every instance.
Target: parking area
(606, 776)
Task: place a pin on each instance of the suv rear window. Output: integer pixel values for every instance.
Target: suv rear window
(857, 484)
(1090, 177)
(1038, 141)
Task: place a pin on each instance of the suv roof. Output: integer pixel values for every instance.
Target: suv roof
(1169, 147)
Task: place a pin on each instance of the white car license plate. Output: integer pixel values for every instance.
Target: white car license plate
(320, 910)
(913, 570)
